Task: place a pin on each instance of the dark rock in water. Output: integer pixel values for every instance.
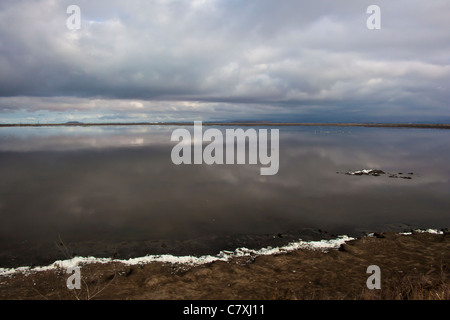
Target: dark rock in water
(379, 235)
(396, 176)
(377, 173)
(370, 172)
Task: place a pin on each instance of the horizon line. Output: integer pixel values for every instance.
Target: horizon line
(241, 123)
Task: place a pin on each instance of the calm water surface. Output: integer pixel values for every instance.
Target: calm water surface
(114, 191)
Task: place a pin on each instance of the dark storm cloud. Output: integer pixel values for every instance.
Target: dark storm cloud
(289, 56)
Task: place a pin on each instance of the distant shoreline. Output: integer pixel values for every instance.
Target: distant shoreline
(247, 124)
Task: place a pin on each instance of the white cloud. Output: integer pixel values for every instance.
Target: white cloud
(283, 55)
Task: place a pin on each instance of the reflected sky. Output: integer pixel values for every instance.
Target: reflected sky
(99, 187)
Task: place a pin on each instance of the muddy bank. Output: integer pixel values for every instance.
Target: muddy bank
(41, 254)
(32, 254)
(412, 267)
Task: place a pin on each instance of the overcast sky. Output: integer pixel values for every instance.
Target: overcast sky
(224, 60)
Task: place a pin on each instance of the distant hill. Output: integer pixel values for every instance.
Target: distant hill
(74, 122)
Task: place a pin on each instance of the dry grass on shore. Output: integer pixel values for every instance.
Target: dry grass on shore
(412, 268)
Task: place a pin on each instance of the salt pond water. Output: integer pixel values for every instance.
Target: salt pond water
(114, 191)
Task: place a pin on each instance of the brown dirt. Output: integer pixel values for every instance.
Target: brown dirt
(412, 267)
